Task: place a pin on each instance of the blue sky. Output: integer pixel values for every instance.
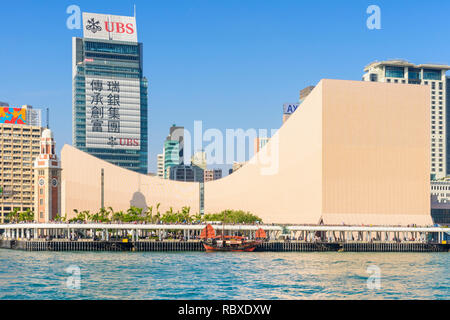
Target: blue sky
(231, 64)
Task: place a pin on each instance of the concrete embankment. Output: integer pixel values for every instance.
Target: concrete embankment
(272, 246)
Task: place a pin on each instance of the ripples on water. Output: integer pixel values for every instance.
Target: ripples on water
(198, 275)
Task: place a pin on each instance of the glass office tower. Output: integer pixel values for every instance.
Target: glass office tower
(110, 93)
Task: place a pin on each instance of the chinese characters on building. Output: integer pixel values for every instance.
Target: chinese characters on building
(112, 106)
(112, 113)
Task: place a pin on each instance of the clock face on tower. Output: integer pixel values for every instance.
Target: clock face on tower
(54, 182)
(41, 182)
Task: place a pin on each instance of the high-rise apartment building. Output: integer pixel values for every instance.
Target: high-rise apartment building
(434, 76)
(212, 174)
(160, 166)
(171, 156)
(447, 122)
(186, 173)
(110, 92)
(176, 133)
(173, 150)
(20, 133)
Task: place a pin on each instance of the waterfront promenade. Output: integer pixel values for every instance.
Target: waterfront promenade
(185, 237)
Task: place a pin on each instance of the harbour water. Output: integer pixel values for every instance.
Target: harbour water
(200, 275)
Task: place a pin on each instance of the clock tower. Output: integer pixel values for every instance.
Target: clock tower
(47, 180)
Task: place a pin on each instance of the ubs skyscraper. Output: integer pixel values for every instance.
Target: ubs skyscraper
(110, 92)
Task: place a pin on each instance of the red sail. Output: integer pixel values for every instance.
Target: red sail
(260, 234)
(208, 232)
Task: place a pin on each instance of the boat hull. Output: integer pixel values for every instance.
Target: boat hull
(248, 247)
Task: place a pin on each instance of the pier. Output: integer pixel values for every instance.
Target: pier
(185, 237)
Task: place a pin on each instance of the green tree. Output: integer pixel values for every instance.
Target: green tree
(101, 216)
(134, 214)
(13, 216)
(118, 216)
(149, 215)
(157, 217)
(184, 215)
(169, 216)
(81, 216)
(233, 216)
(177, 217)
(26, 216)
(197, 218)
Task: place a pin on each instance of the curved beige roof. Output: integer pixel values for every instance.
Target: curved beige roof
(354, 152)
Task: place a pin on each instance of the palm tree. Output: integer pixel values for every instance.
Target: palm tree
(13, 216)
(80, 216)
(118, 216)
(104, 215)
(197, 217)
(111, 212)
(149, 214)
(185, 217)
(158, 214)
(101, 216)
(86, 216)
(27, 216)
(133, 214)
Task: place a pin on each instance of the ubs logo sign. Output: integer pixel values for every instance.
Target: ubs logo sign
(109, 27)
(117, 27)
(93, 25)
(124, 142)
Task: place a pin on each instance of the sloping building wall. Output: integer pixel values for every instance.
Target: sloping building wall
(283, 183)
(354, 153)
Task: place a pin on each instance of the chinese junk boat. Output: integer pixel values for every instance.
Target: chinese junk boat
(211, 242)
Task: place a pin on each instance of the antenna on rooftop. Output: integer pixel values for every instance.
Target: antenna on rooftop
(48, 119)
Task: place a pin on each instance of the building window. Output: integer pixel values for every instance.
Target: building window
(413, 74)
(395, 72)
(431, 74)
